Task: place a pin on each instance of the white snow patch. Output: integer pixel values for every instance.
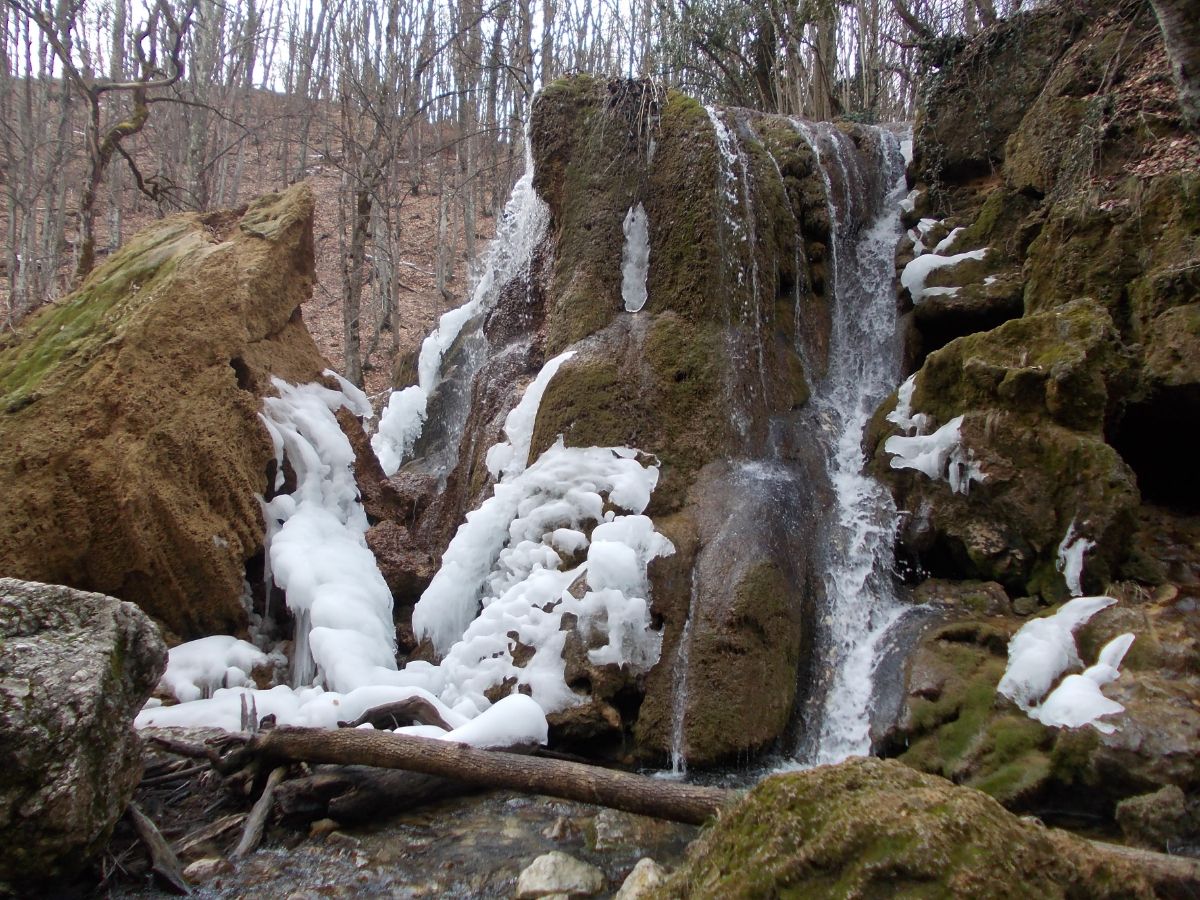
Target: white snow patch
(1071, 551)
(944, 243)
(940, 455)
(909, 203)
(916, 272)
(1077, 701)
(635, 258)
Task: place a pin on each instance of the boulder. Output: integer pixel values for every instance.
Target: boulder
(129, 413)
(75, 668)
(640, 883)
(558, 874)
(1035, 394)
(870, 827)
(954, 723)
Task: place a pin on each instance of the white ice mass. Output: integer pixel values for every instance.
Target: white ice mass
(551, 540)
(1044, 649)
(635, 258)
(520, 230)
(1070, 558)
(916, 272)
(940, 455)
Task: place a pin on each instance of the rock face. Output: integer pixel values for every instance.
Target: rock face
(129, 413)
(711, 377)
(1060, 175)
(870, 827)
(74, 670)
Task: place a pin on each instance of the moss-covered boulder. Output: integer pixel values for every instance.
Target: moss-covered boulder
(983, 89)
(133, 452)
(1035, 394)
(873, 828)
(954, 723)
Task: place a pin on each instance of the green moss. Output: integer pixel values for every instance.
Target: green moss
(871, 828)
(64, 337)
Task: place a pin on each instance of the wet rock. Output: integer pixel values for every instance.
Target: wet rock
(129, 413)
(981, 597)
(557, 874)
(872, 827)
(75, 669)
(641, 882)
(206, 869)
(954, 724)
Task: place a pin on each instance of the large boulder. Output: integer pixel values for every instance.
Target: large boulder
(875, 828)
(129, 413)
(74, 670)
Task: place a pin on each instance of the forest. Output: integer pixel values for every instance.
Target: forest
(114, 112)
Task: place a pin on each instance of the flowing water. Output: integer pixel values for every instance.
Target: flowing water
(860, 602)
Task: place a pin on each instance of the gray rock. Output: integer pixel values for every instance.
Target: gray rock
(556, 873)
(75, 668)
(645, 877)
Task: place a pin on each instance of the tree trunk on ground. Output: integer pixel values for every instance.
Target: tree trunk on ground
(556, 778)
(1181, 33)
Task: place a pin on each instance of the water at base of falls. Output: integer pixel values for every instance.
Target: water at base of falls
(860, 606)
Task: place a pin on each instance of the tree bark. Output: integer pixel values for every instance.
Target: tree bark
(1181, 34)
(677, 802)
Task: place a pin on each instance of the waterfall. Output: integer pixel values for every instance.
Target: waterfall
(857, 537)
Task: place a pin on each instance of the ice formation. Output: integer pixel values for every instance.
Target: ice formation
(1044, 649)
(1070, 558)
(508, 458)
(916, 272)
(521, 229)
(1077, 701)
(198, 668)
(510, 558)
(635, 258)
(940, 455)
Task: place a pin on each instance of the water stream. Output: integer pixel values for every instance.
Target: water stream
(857, 536)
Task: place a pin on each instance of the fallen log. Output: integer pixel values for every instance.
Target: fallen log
(661, 799)
(409, 711)
(351, 795)
(1172, 876)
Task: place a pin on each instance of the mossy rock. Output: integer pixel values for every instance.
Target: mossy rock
(1057, 365)
(133, 448)
(980, 95)
(875, 828)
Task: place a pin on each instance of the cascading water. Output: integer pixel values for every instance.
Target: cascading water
(860, 602)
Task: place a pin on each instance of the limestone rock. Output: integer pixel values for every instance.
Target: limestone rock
(645, 877)
(708, 371)
(129, 413)
(74, 670)
(556, 873)
(870, 827)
